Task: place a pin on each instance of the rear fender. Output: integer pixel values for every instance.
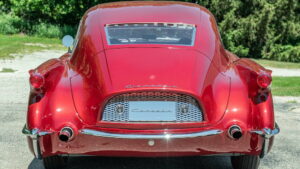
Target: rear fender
(55, 108)
(260, 99)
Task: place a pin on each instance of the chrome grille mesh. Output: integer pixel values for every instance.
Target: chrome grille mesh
(187, 108)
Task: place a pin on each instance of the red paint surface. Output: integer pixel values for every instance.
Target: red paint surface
(78, 85)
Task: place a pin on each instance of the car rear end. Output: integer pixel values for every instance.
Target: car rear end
(150, 87)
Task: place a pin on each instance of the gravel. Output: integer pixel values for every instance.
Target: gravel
(284, 72)
(14, 152)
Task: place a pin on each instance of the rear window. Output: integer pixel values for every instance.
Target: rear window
(151, 33)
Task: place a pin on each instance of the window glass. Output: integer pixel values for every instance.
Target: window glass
(151, 33)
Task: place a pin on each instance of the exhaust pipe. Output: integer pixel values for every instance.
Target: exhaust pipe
(66, 134)
(235, 132)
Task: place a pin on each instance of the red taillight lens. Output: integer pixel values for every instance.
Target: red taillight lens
(264, 80)
(36, 80)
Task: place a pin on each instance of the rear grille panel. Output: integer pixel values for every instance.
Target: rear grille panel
(187, 108)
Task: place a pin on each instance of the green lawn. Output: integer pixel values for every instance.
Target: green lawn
(14, 44)
(286, 86)
(277, 64)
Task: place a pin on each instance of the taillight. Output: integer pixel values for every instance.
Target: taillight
(36, 80)
(264, 80)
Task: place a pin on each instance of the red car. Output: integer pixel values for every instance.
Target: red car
(150, 79)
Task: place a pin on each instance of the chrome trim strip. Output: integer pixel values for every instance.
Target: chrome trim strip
(266, 132)
(150, 136)
(34, 132)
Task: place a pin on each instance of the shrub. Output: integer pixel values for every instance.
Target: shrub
(46, 30)
(69, 30)
(52, 31)
(9, 24)
(5, 6)
(284, 53)
(68, 12)
(259, 28)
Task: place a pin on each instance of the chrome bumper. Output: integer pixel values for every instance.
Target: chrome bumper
(267, 134)
(35, 134)
(151, 136)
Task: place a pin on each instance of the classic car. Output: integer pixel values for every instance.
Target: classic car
(150, 79)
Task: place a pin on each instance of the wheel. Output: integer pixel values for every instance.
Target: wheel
(55, 162)
(245, 162)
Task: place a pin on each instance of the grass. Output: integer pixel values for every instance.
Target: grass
(292, 101)
(7, 70)
(277, 64)
(286, 86)
(20, 44)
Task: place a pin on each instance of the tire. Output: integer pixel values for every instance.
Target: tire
(245, 162)
(55, 162)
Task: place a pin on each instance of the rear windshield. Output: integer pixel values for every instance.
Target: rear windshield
(151, 33)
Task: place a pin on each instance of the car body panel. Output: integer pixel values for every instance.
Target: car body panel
(79, 84)
(212, 145)
(128, 73)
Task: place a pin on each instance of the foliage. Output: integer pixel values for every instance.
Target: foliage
(52, 31)
(53, 11)
(9, 24)
(284, 53)
(268, 29)
(47, 30)
(5, 6)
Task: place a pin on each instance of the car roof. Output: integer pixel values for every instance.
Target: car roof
(148, 11)
(91, 36)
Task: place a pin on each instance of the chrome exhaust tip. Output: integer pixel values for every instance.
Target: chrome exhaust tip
(235, 132)
(66, 134)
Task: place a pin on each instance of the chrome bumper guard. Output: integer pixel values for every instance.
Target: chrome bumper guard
(267, 134)
(150, 136)
(35, 134)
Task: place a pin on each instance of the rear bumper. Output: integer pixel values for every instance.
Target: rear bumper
(205, 142)
(151, 136)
